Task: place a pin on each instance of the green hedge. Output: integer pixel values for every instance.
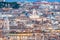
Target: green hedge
(12, 5)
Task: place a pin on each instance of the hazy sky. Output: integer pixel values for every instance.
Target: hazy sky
(29, 0)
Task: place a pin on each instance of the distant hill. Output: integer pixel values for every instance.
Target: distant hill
(30, 0)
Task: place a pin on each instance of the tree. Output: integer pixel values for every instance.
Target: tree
(15, 5)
